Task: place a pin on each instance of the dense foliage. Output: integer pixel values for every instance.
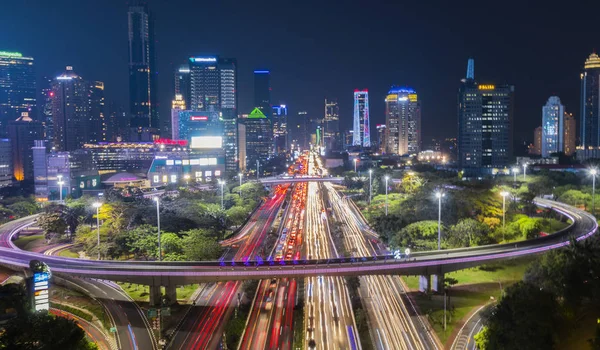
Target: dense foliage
(560, 294)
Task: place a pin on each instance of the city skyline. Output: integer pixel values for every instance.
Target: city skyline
(436, 78)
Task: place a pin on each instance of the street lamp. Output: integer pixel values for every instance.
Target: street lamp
(157, 200)
(222, 183)
(97, 205)
(187, 179)
(439, 196)
(515, 171)
(355, 160)
(524, 171)
(370, 185)
(503, 194)
(240, 175)
(593, 172)
(386, 194)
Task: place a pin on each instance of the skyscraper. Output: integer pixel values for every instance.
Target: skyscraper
(229, 104)
(213, 87)
(143, 103)
(485, 119)
(259, 139)
(569, 135)
(553, 126)
(331, 125)
(299, 131)
(17, 88)
(262, 91)
(23, 132)
(403, 121)
(45, 108)
(177, 105)
(70, 111)
(205, 83)
(590, 102)
(280, 129)
(182, 83)
(97, 123)
(362, 134)
(536, 149)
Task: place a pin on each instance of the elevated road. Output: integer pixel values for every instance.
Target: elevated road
(424, 263)
(286, 180)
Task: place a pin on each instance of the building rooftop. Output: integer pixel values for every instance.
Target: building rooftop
(593, 61)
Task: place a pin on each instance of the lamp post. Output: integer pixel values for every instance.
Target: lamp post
(240, 175)
(503, 194)
(187, 179)
(515, 171)
(439, 196)
(370, 185)
(97, 205)
(60, 185)
(593, 172)
(524, 171)
(386, 194)
(355, 160)
(157, 200)
(222, 183)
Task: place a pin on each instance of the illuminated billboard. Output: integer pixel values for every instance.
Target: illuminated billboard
(40, 291)
(207, 142)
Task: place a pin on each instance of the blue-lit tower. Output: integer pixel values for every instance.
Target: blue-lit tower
(361, 131)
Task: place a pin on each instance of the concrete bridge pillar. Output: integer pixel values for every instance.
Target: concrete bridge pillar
(155, 294)
(171, 293)
(437, 284)
(424, 283)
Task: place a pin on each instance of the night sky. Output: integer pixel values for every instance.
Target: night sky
(328, 48)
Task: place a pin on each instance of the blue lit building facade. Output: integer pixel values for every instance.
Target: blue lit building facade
(553, 128)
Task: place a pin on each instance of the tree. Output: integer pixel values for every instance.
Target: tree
(525, 318)
(198, 245)
(52, 224)
(44, 332)
(23, 208)
(172, 247)
(467, 233)
(421, 235)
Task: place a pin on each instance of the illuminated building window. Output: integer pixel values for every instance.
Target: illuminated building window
(165, 178)
(156, 178)
(217, 172)
(173, 178)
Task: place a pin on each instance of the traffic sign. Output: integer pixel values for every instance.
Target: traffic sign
(165, 311)
(113, 329)
(152, 313)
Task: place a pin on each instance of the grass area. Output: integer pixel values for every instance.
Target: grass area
(69, 253)
(185, 292)
(475, 287)
(66, 297)
(137, 292)
(28, 242)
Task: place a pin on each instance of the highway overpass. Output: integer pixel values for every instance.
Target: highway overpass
(422, 263)
(275, 180)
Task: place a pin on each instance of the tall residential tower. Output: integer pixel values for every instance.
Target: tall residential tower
(403, 121)
(553, 129)
(361, 130)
